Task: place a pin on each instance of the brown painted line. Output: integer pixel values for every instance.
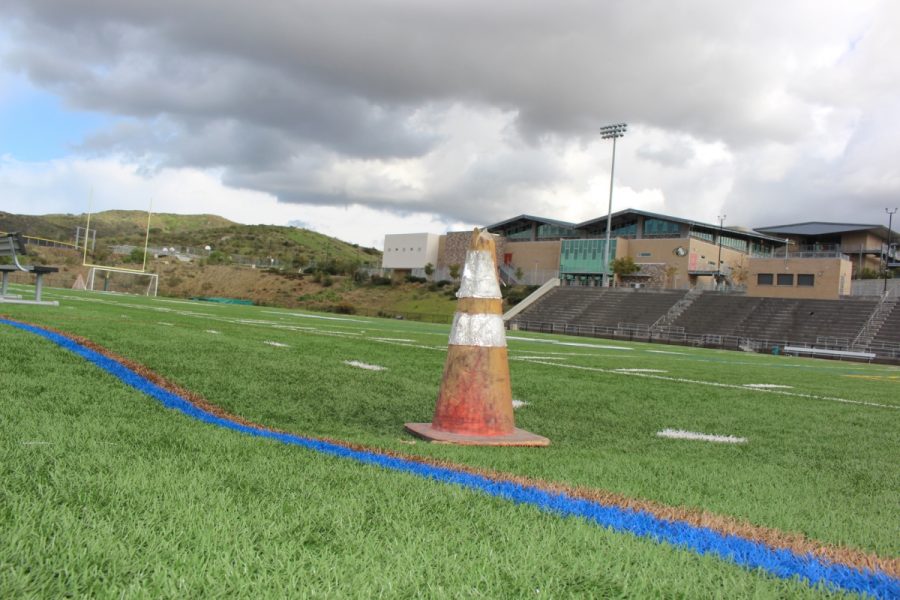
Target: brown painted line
(774, 538)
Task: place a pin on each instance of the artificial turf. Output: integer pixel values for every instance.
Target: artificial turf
(107, 493)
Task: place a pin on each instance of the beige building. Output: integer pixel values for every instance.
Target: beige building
(805, 260)
(866, 246)
(820, 278)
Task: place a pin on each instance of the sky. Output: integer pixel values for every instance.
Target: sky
(358, 119)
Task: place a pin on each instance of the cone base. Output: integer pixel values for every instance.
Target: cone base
(519, 437)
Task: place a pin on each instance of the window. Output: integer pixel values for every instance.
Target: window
(645, 254)
(785, 279)
(763, 279)
(660, 228)
(806, 279)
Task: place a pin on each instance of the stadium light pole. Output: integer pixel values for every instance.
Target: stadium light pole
(887, 260)
(719, 259)
(607, 132)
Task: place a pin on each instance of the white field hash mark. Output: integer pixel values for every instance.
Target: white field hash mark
(679, 434)
(769, 386)
(276, 344)
(519, 403)
(640, 371)
(362, 365)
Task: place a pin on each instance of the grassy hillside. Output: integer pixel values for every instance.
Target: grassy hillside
(288, 245)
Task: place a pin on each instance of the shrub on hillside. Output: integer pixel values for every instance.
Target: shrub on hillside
(344, 308)
(516, 294)
(218, 258)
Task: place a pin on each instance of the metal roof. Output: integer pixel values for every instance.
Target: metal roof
(531, 218)
(740, 232)
(814, 228)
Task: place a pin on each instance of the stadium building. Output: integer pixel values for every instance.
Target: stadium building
(802, 260)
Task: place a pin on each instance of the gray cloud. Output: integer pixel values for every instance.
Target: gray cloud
(284, 96)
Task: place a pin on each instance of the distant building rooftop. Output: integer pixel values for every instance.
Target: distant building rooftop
(817, 228)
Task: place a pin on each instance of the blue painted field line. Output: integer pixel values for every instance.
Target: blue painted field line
(779, 562)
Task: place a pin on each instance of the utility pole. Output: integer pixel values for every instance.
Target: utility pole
(719, 260)
(887, 259)
(607, 132)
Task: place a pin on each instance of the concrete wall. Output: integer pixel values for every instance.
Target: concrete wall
(533, 256)
(410, 250)
(455, 244)
(831, 277)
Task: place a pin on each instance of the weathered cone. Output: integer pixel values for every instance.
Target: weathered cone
(474, 406)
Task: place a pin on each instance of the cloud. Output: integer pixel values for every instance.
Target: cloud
(475, 112)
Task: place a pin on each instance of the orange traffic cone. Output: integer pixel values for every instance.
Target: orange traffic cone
(474, 406)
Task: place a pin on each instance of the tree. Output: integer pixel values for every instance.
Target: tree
(136, 256)
(624, 266)
(454, 271)
(740, 274)
(671, 272)
(429, 270)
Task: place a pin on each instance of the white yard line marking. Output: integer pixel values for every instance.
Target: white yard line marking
(306, 316)
(679, 434)
(165, 324)
(276, 344)
(717, 384)
(383, 339)
(639, 371)
(540, 357)
(665, 352)
(362, 365)
(768, 386)
(519, 403)
(36, 443)
(213, 331)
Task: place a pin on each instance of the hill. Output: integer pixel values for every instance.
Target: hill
(289, 246)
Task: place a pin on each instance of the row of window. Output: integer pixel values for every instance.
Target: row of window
(804, 279)
(402, 249)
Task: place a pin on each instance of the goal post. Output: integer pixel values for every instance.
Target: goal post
(152, 279)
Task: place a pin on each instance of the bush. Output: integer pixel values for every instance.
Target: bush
(135, 256)
(218, 258)
(379, 280)
(516, 294)
(344, 308)
(414, 279)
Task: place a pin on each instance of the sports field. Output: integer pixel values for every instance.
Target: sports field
(106, 492)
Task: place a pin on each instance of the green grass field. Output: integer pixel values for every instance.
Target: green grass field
(105, 493)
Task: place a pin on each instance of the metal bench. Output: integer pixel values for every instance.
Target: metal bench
(13, 246)
(800, 350)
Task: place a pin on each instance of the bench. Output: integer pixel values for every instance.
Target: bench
(798, 350)
(13, 246)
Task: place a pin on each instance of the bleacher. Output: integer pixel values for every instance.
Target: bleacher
(716, 313)
(600, 307)
(889, 334)
(726, 319)
(829, 322)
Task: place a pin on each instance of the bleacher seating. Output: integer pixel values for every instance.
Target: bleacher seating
(890, 329)
(823, 323)
(831, 322)
(601, 307)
